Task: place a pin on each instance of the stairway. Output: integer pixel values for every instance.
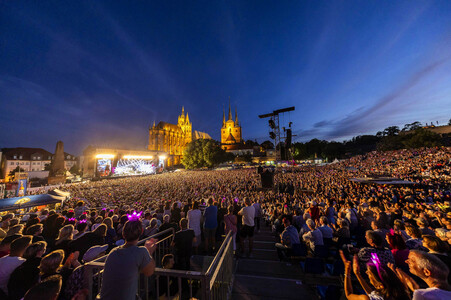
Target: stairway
(263, 276)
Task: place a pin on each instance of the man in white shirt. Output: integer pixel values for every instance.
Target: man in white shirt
(314, 237)
(433, 271)
(247, 230)
(10, 262)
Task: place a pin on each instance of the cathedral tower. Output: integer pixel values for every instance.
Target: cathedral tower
(231, 130)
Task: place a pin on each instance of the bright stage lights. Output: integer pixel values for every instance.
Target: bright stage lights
(137, 157)
(162, 157)
(127, 167)
(105, 156)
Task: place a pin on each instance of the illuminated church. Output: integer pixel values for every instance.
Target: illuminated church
(231, 135)
(172, 138)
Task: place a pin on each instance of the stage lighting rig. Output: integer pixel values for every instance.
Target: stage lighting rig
(274, 125)
(271, 123)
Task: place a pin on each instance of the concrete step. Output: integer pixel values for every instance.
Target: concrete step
(264, 245)
(266, 287)
(269, 268)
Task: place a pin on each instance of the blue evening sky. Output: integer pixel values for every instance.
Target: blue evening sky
(100, 72)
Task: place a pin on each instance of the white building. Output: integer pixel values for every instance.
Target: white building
(30, 160)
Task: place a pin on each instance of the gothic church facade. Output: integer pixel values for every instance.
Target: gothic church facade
(231, 134)
(173, 138)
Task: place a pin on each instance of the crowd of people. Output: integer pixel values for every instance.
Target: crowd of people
(385, 234)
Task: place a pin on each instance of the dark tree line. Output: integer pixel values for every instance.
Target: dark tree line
(391, 138)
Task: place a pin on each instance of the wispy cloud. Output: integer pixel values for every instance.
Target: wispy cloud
(364, 119)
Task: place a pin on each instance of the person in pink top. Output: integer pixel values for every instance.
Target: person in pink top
(398, 249)
(230, 225)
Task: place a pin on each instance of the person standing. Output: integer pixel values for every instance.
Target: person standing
(258, 212)
(183, 242)
(123, 264)
(10, 262)
(194, 221)
(230, 225)
(247, 231)
(210, 225)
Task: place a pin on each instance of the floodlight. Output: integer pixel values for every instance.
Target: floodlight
(138, 156)
(271, 123)
(105, 156)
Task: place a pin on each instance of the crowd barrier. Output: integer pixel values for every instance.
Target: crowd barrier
(214, 283)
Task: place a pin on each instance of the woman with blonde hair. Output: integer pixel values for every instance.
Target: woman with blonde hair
(65, 236)
(110, 237)
(52, 264)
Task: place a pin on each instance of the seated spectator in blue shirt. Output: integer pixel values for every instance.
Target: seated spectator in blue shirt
(288, 238)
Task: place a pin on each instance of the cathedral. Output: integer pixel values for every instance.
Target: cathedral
(172, 138)
(231, 136)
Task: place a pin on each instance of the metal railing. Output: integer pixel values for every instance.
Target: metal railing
(214, 283)
(93, 273)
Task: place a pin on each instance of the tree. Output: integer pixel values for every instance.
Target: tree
(422, 138)
(267, 145)
(47, 167)
(391, 131)
(412, 126)
(74, 170)
(449, 122)
(251, 143)
(204, 153)
(12, 173)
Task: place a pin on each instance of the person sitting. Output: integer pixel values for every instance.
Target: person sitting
(167, 225)
(5, 244)
(288, 238)
(398, 249)
(124, 263)
(326, 231)
(414, 242)
(431, 270)
(77, 280)
(314, 237)
(423, 226)
(65, 236)
(81, 227)
(183, 243)
(27, 274)
(52, 264)
(10, 262)
(385, 285)
(375, 243)
(48, 289)
(439, 249)
(167, 263)
(89, 239)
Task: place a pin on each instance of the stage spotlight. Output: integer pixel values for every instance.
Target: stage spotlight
(272, 124)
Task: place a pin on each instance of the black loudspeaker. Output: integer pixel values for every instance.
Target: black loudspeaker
(288, 140)
(267, 178)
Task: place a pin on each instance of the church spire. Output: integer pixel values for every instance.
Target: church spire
(236, 117)
(183, 110)
(223, 116)
(230, 111)
(187, 119)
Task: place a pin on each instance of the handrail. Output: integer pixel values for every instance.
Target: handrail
(218, 255)
(215, 283)
(103, 258)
